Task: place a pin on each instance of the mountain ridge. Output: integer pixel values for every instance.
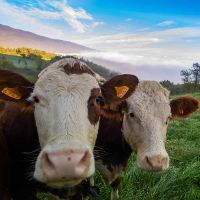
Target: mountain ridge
(15, 38)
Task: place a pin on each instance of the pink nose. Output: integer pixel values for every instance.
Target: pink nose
(156, 163)
(63, 166)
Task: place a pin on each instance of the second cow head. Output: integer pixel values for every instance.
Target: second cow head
(146, 117)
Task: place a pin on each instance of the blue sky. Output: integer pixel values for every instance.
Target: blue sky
(132, 36)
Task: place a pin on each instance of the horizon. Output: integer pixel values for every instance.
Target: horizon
(152, 40)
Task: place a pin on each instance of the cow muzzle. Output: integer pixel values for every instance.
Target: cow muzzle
(156, 163)
(64, 167)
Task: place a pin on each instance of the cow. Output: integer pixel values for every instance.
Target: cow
(140, 127)
(59, 114)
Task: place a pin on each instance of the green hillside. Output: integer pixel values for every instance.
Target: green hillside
(15, 59)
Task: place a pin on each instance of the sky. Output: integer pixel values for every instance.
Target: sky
(152, 39)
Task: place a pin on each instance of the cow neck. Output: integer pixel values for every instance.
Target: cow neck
(125, 145)
(110, 137)
(19, 127)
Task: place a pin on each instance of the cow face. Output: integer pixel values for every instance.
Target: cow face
(68, 101)
(146, 119)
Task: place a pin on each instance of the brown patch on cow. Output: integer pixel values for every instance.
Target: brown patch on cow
(112, 114)
(18, 135)
(69, 158)
(94, 108)
(109, 92)
(116, 182)
(115, 103)
(5, 165)
(111, 141)
(2, 107)
(184, 107)
(9, 79)
(77, 69)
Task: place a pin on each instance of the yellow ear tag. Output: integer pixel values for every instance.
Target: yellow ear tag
(181, 112)
(12, 92)
(121, 91)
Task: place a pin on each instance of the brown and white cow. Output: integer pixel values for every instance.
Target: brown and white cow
(142, 130)
(67, 100)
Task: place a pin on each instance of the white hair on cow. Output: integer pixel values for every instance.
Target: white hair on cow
(71, 62)
(152, 87)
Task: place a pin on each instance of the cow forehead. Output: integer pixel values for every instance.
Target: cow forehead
(56, 83)
(151, 99)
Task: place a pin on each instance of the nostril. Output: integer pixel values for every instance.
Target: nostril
(164, 160)
(83, 163)
(147, 163)
(46, 162)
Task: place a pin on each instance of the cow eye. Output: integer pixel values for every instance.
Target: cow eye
(36, 99)
(132, 114)
(98, 99)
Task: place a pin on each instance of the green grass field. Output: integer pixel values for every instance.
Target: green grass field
(180, 181)
(15, 59)
(21, 65)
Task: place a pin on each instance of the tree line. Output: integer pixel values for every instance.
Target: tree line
(27, 52)
(190, 78)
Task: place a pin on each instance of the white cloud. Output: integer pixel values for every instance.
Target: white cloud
(42, 14)
(122, 42)
(129, 19)
(166, 23)
(71, 15)
(176, 33)
(63, 11)
(121, 27)
(96, 24)
(142, 29)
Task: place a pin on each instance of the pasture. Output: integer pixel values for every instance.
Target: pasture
(180, 181)
(15, 59)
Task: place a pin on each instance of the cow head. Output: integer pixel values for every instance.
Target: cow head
(146, 118)
(67, 98)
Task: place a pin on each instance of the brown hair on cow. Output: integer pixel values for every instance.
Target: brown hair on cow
(184, 107)
(113, 105)
(9, 79)
(93, 106)
(77, 69)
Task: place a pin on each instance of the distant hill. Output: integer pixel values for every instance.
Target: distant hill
(14, 38)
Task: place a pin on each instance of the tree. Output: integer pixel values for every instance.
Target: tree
(39, 62)
(191, 78)
(195, 72)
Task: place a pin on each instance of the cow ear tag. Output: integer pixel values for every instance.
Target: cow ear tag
(12, 92)
(182, 111)
(121, 91)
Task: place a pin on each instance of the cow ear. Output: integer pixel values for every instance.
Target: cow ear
(184, 107)
(14, 87)
(115, 91)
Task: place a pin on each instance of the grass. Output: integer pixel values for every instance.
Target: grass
(26, 73)
(180, 182)
(15, 59)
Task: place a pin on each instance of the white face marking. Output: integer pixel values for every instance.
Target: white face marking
(146, 132)
(62, 115)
